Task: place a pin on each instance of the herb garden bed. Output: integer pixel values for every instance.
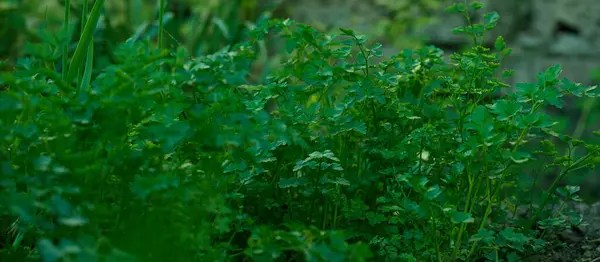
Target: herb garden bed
(167, 156)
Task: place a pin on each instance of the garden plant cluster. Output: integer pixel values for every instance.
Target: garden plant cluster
(340, 155)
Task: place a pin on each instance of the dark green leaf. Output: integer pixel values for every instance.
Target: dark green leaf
(461, 217)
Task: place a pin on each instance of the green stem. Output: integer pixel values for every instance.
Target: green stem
(581, 123)
(469, 23)
(161, 14)
(533, 185)
(17, 242)
(364, 53)
(463, 225)
(555, 184)
(481, 181)
(491, 196)
(437, 240)
(335, 216)
(325, 215)
(65, 58)
(84, 10)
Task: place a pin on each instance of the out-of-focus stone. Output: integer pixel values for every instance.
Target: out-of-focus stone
(577, 15)
(545, 32)
(359, 15)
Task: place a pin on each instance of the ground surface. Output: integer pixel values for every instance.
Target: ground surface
(583, 243)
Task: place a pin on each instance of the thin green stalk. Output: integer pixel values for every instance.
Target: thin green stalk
(364, 53)
(463, 225)
(161, 14)
(535, 182)
(325, 215)
(84, 11)
(89, 64)
(290, 203)
(18, 240)
(62, 85)
(556, 213)
(468, 18)
(555, 184)
(65, 58)
(481, 181)
(335, 217)
(438, 253)
(316, 187)
(491, 196)
(581, 122)
(359, 162)
(84, 42)
(487, 212)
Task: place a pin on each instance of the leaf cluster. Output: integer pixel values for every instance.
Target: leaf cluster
(170, 156)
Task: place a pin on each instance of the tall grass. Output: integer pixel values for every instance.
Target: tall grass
(77, 61)
(65, 58)
(161, 15)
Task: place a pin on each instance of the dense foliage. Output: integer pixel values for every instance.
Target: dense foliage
(340, 155)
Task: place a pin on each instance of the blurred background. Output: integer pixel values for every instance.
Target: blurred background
(541, 32)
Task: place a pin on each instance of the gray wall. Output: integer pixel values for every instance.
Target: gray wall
(541, 32)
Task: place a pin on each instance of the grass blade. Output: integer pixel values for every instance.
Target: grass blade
(65, 58)
(84, 42)
(161, 14)
(84, 11)
(89, 64)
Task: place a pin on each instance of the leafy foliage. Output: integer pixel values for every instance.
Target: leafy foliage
(172, 156)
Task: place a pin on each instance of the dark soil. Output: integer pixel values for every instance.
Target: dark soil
(582, 243)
